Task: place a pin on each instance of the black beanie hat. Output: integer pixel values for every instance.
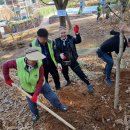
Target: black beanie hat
(42, 32)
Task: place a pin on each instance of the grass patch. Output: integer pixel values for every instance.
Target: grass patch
(47, 10)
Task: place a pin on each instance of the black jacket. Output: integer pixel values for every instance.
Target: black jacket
(71, 48)
(113, 43)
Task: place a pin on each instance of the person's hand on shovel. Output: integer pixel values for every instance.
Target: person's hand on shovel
(34, 99)
(9, 82)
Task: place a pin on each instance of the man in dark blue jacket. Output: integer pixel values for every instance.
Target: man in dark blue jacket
(105, 50)
(66, 56)
(46, 47)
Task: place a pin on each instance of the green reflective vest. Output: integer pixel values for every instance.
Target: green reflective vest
(99, 9)
(28, 80)
(50, 46)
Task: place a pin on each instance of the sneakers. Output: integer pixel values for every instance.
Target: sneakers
(35, 117)
(63, 108)
(108, 82)
(90, 89)
(68, 83)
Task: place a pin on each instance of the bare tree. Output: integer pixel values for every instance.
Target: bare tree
(124, 4)
(61, 5)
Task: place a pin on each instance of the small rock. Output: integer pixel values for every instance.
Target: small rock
(119, 121)
(11, 128)
(128, 106)
(114, 125)
(128, 90)
(129, 121)
(120, 108)
(108, 120)
(71, 102)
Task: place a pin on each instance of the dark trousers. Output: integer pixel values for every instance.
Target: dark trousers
(98, 16)
(107, 16)
(106, 57)
(77, 69)
(48, 94)
(52, 69)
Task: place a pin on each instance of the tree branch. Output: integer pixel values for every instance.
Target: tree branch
(56, 4)
(65, 4)
(46, 3)
(114, 13)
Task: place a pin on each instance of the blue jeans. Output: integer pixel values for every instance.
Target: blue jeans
(106, 57)
(48, 94)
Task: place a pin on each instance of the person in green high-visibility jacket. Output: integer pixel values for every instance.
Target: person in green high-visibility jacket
(31, 76)
(46, 47)
(99, 11)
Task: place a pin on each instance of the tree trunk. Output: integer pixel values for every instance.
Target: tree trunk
(118, 61)
(61, 5)
(62, 21)
(69, 22)
(117, 87)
